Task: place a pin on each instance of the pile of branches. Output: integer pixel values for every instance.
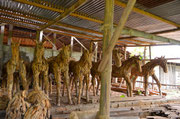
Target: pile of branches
(17, 106)
(40, 106)
(3, 102)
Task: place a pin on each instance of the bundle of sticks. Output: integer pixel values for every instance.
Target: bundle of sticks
(17, 106)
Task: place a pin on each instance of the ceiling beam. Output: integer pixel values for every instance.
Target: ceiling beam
(68, 33)
(32, 17)
(75, 14)
(137, 33)
(142, 12)
(64, 14)
(98, 21)
(117, 2)
(138, 41)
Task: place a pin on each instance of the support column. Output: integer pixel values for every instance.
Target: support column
(54, 42)
(96, 50)
(1, 48)
(125, 53)
(9, 53)
(144, 55)
(104, 109)
(72, 41)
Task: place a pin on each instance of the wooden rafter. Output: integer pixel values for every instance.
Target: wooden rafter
(64, 14)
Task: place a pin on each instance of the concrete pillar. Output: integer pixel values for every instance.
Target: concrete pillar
(104, 109)
(1, 48)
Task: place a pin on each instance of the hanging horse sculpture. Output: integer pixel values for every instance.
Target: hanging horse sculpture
(148, 70)
(15, 64)
(60, 65)
(81, 69)
(40, 66)
(124, 71)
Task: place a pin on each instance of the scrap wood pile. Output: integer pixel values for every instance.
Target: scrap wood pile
(3, 102)
(17, 106)
(40, 108)
(34, 106)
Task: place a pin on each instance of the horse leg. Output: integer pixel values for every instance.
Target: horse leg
(98, 83)
(76, 87)
(10, 72)
(128, 80)
(58, 85)
(46, 82)
(146, 84)
(158, 83)
(134, 82)
(80, 89)
(22, 73)
(87, 86)
(93, 84)
(64, 87)
(84, 83)
(67, 85)
(50, 85)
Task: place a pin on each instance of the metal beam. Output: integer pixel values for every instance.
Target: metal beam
(137, 10)
(64, 14)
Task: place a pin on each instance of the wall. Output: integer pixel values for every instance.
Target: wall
(27, 53)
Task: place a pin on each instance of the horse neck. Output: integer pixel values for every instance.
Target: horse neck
(117, 61)
(83, 60)
(128, 65)
(15, 57)
(38, 57)
(152, 64)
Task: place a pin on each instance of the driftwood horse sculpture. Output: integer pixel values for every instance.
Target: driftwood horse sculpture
(81, 69)
(60, 65)
(148, 70)
(96, 75)
(40, 66)
(15, 64)
(124, 71)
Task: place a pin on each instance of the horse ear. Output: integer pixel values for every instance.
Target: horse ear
(19, 42)
(43, 42)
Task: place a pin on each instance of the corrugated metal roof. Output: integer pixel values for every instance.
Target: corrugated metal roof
(169, 11)
(94, 9)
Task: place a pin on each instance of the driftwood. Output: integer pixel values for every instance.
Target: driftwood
(148, 70)
(13, 65)
(60, 65)
(17, 106)
(124, 71)
(40, 106)
(79, 70)
(4, 102)
(40, 66)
